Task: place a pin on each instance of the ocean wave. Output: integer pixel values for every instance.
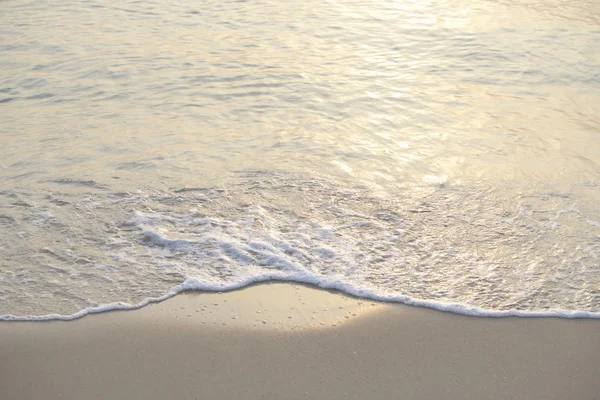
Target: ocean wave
(473, 251)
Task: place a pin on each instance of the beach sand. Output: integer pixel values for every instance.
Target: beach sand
(285, 341)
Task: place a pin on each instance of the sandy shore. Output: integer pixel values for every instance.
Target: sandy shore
(284, 341)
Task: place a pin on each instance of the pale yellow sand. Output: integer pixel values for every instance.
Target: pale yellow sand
(279, 342)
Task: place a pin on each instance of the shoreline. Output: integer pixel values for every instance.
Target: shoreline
(283, 340)
(187, 288)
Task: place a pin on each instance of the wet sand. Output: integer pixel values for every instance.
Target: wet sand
(284, 341)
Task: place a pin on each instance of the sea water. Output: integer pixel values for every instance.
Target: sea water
(444, 154)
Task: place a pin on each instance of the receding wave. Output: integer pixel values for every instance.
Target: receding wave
(475, 251)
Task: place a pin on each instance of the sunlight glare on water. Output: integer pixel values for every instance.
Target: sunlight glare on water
(446, 120)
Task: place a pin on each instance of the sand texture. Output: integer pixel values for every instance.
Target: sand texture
(284, 341)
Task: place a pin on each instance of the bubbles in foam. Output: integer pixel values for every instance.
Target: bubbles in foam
(461, 249)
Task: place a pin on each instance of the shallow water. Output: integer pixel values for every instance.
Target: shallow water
(438, 154)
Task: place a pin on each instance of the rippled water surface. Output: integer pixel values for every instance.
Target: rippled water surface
(437, 153)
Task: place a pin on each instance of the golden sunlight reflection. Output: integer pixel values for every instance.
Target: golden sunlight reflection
(274, 307)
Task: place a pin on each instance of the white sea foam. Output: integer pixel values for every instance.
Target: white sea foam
(516, 256)
(463, 149)
(194, 285)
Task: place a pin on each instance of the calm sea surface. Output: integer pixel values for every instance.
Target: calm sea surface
(437, 153)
